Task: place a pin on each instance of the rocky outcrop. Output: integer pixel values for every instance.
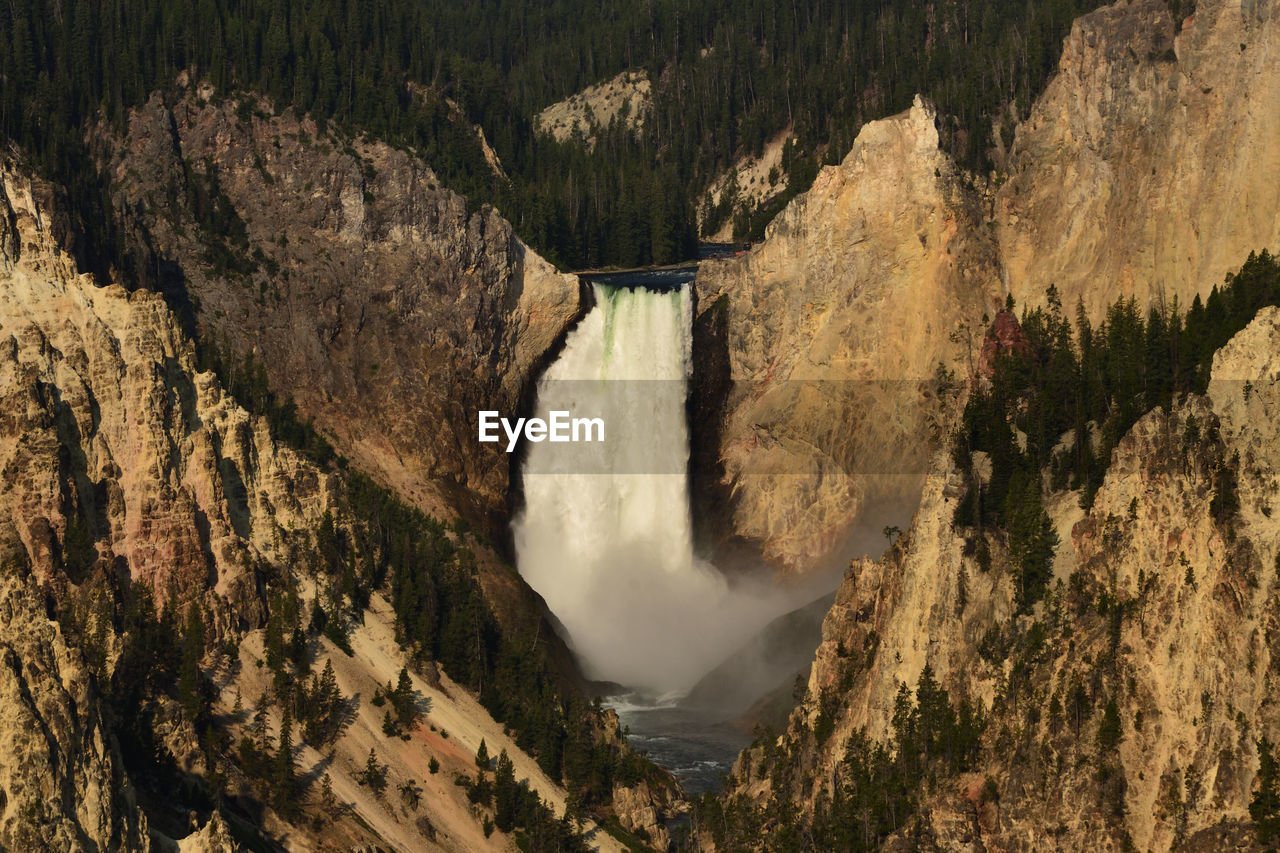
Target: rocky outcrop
(213, 837)
(1005, 337)
(836, 325)
(110, 434)
(386, 306)
(61, 785)
(752, 181)
(627, 99)
(637, 813)
(1136, 174)
(1139, 169)
(122, 464)
(1162, 602)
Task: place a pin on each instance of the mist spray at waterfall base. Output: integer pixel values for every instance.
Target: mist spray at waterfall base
(606, 534)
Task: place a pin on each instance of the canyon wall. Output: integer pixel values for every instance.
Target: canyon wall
(127, 467)
(388, 308)
(121, 462)
(833, 329)
(1141, 171)
(1159, 603)
(61, 785)
(109, 426)
(1144, 168)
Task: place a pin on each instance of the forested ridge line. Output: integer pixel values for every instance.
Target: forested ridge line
(729, 75)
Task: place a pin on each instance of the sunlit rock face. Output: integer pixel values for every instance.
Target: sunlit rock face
(61, 784)
(833, 328)
(107, 420)
(1190, 665)
(1142, 168)
(1139, 172)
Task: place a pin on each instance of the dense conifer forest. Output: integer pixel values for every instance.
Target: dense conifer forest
(1091, 385)
(728, 76)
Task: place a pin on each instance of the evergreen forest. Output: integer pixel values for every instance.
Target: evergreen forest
(728, 75)
(1090, 385)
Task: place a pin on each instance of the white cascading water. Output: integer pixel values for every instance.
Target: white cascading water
(606, 535)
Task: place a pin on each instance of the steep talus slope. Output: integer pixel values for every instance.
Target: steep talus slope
(387, 308)
(834, 326)
(126, 468)
(61, 786)
(454, 725)
(1142, 168)
(1164, 603)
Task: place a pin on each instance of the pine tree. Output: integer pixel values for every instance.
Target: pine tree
(1077, 704)
(374, 774)
(274, 640)
(1265, 807)
(1032, 539)
(258, 728)
(505, 793)
(329, 694)
(482, 756)
(403, 700)
(282, 773)
(1109, 730)
(327, 799)
(190, 690)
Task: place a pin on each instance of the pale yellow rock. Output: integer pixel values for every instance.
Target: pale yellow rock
(626, 97)
(1144, 169)
(757, 178)
(61, 784)
(213, 837)
(186, 486)
(1147, 168)
(1196, 655)
(836, 324)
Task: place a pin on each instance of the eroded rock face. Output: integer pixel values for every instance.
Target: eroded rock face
(61, 785)
(1140, 170)
(1188, 661)
(107, 422)
(388, 309)
(626, 98)
(213, 837)
(835, 325)
(111, 438)
(636, 810)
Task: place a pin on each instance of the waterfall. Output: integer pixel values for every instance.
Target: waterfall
(606, 534)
